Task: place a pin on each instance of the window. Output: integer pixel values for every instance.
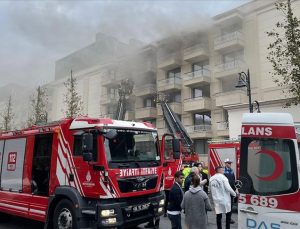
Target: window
(201, 146)
(174, 73)
(269, 166)
(197, 92)
(234, 56)
(168, 148)
(199, 66)
(202, 119)
(201, 92)
(149, 102)
(77, 147)
(174, 97)
(132, 146)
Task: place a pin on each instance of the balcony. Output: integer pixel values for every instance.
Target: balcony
(109, 80)
(197, 104)
(197, 78)
(146, 113)
(169, 62)
(229, 42)
(175, 106)
(171, 84)
(223, 129)
(229, 69)
(108, 99)
(195, 53)
(145, 90)
(199, 131)
(231, 98)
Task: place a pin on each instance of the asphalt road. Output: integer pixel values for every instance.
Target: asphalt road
(20, 223)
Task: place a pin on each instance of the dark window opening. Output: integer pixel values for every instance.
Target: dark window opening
(41, 164)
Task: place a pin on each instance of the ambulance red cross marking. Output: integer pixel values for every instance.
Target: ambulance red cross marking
(278, 168)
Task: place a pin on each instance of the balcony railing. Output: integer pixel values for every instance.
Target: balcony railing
(205, 72)
(230, 65)
(198, 128)
(237, 35)
(222, 125)
(170, 81)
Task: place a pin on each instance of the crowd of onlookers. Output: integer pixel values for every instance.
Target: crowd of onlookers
(189, 195)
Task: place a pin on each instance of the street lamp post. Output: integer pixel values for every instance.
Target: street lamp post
(244, 81)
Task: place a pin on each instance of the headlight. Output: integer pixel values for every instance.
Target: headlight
(107, 213)
(109, 221)
(162, 202)
(160, 210)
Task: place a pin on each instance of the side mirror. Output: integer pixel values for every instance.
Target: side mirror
(176, 148)
(87, 157)
(87, 146)
(87, 142)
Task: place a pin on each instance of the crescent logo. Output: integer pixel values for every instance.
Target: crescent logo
(278, 165)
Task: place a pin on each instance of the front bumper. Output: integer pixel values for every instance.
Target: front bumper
(130, 212)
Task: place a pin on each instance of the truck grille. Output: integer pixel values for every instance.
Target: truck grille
(137, 183)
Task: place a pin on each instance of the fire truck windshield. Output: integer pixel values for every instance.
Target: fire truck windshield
(269, 166)
(132, 146)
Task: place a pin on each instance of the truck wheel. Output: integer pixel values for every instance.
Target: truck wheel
(64, 216)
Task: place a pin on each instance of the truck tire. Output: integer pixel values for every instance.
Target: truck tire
(64, 216)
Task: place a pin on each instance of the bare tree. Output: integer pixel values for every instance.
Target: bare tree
(7, 116)
(284, 52)
(72, 100)
(39, 102)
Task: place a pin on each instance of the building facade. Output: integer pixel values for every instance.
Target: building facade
(197, 73)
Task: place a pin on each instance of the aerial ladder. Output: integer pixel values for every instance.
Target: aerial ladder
(175, 127)
(124, 90)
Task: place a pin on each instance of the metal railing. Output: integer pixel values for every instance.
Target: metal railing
(237, 35)
(230, 65)
(205, 72)
(196, 98)
(170, 81)
(222, 125)
(199, 128)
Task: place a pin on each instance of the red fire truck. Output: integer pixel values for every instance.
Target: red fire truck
(270, 193)
(84, 173)
(219, 150)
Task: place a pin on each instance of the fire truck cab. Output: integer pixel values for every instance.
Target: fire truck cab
(269, 172)
(83, 173)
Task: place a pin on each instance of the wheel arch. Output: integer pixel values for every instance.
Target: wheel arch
(62, 193)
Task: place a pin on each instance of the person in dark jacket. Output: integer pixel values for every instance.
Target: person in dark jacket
(203, 177)
(188, 180)
(175, 199)
(229, 173)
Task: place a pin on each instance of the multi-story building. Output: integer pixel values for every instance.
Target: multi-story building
(197, 72)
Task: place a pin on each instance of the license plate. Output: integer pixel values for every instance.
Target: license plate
(140, 207)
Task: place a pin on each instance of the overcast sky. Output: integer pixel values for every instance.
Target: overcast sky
(34, 34)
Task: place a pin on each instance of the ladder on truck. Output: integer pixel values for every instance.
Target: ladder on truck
(124, 90)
